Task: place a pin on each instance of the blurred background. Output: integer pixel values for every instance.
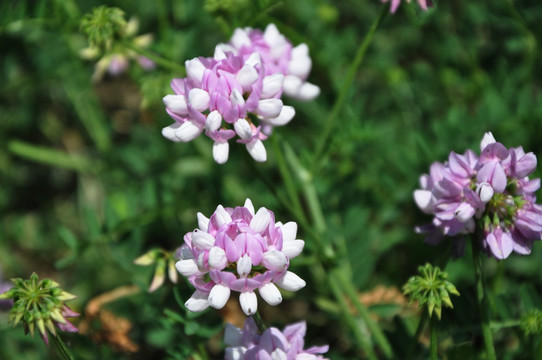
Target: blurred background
(88, 183)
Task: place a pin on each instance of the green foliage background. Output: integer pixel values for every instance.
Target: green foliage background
(88, 183)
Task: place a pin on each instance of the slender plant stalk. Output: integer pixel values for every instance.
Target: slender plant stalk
(308, 189)
(53, 157)
(434, 341)
(62, 347)
(259, 322)
(419, 330)
(179, 70)
(481, 297)
(361, 338)
(286, 176)
(343, 92)
(379, 337)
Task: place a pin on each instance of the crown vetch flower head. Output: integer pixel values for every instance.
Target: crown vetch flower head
(248, 344)
(107, 32)
(492, 191)
(278, 56)
(238, 92)
(241, 250)
(40, 304)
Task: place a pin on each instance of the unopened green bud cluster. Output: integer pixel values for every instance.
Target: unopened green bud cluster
(430, 289)
(531, 322)
(103, 26)
(37, 303)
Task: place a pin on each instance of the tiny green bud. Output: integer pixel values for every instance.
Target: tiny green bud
(39, 304)
(531, 322)
(431, 289)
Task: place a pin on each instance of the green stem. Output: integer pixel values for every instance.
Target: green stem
(373, 327)
(419, 330)
(286, 176)
(343, 92)
(62, 348)
(361, 338)
(168, 64)
(53, 157)
(434, 341)
(284, 200)
(481, 297)
(259, 322)
(308, 188)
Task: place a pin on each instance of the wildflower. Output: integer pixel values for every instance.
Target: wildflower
(492, 192)
(431, 289)
(241, 250)
(40, 304)
(164, 261)
(424, 4)
(247, 344)
(114, 54)
(237, 92)
(278, 56)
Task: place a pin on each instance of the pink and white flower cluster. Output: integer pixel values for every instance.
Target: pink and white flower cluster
(238, 92)
(241, 250)
(288, 344)
(493, 191)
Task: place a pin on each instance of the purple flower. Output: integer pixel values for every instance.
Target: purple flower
(240, 250)
(492, 192)
(247, 344)
(238, 92)
(395, 4)
(278, 56)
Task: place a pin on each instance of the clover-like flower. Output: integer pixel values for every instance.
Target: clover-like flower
(395, 4)
(248, 344)
(431, 289)
(40, 304)
(241, 250)
(278, 56)
(492, 191)
(238, 92)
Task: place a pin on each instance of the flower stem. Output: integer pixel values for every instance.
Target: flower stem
(361, 338)
(373, 327)
(259, 322)
(419, 330)
(168, 64)
(434, 341)
(343, 92)
(286, 177)
(62, 348)
(481, 297)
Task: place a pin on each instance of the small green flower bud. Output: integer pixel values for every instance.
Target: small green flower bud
(531, 322)
(104, 26)
(39, 304)
(431, 289)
